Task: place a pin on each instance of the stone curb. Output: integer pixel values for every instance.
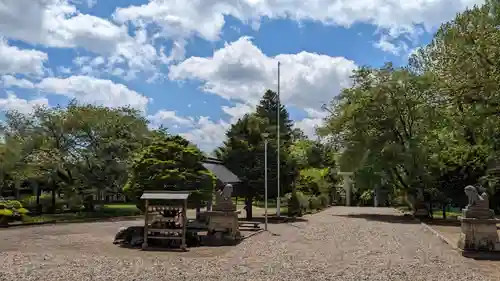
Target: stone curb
(26, 224)
(252, 234)
(440, 236)
(433, 231)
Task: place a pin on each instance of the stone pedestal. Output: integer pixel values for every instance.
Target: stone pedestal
(421, 212)
(347, 178)
(479, 234)
(223, 227)
(222, 220)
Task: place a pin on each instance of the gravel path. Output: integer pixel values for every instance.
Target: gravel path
(340, 243)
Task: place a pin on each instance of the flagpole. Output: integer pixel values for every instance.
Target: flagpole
(278, 199)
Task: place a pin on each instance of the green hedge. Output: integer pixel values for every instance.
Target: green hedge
(74, 204)
(300, 203)
(11, 211)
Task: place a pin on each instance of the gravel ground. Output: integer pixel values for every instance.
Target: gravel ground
(331, 245)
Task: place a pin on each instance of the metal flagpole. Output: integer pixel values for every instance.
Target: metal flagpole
(278, 199)
(265, 183)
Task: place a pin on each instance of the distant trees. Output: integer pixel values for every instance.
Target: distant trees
(430, 125)
(243, 152)
(170, 163)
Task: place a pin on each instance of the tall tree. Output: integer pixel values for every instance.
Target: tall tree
(268, 109)
(243, 153)
(170, 163)
(383, 116)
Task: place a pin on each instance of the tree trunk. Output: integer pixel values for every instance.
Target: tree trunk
(198, 212)
(53, 211)
(88, 203)
(248, 207)
(444, 210)
(17, 187)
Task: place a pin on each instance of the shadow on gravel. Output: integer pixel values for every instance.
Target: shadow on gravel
(482, 256)
(274, 220)
(382, 218)
(442, 222)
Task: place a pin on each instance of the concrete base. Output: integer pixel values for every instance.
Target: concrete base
(223, 227)
(479, 235)
(421, 213)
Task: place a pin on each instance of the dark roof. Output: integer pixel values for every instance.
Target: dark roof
(209, 159)
(165, 195)
(220, 171)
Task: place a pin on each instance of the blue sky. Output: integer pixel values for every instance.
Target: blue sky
(196, 66)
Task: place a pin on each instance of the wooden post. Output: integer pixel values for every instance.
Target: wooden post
(184, 226)
(146, 211)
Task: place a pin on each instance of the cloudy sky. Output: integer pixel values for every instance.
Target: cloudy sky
(195, 66)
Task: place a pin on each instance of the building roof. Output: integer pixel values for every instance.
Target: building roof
(165, 195)
(220, 171)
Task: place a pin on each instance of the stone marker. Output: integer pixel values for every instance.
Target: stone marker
(223, 225)
(478, 223)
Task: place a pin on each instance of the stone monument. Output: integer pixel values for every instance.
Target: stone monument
(223, 225)
(421, 209)
(478, 223)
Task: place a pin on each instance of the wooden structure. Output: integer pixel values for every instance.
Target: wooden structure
(166, 220)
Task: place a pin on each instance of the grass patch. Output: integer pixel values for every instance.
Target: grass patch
(37, 219)
(106, 211)
(120, 206)
(449, 214)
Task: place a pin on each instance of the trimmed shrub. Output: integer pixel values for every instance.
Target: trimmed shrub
(297, 203)
(324, 200)
(366, 198)
(45, 202)
(11, 211)
(314, 203)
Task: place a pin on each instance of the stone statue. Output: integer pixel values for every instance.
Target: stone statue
(478, 223)
(227, 191)
(478, 203)
(223, 198)
(475, 199)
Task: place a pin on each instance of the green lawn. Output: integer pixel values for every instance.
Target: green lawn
(106, 211)
(130, 209)
(449, 214)
(120, 206)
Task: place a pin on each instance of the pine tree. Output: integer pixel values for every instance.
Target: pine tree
(268, 108)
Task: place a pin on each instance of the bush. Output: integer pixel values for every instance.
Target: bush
(324, 200)
(45, 202)
(11, 211)
(297, 203)
(366, 198)
(314, 203)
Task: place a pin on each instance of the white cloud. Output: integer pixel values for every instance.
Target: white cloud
(166, 117)
(386, 44)
(93, 90)
(85, 89)
(9, 81)
(12, 102)
(58, 23)
(237, 111)
(207, 134)
(182, 19)
(314, 119)
(15, 60)
(241, 72)
(202, 131)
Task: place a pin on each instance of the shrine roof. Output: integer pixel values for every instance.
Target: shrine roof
(165, 195)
